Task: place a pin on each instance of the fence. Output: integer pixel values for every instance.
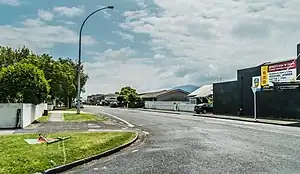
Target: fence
(19, 115)
(170, 105)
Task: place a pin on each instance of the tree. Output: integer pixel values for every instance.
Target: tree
(8, 56)
(23, 83)
(129, 94)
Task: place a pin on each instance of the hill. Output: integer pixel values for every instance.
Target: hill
(187, 88)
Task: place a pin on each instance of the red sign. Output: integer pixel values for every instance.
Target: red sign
(283, 66)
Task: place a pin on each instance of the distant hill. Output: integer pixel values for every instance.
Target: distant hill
(187, 88)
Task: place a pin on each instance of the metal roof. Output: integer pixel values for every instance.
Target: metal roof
(160, 93)
(203, 91)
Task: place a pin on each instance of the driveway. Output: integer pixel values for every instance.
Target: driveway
(189, 144)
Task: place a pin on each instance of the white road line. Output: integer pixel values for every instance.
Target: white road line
(147, 133)
(134, 151)
(120, 119)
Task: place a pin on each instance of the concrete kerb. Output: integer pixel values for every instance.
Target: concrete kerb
(161, 111)
(69, 166)
(235, 119)
(251, 121)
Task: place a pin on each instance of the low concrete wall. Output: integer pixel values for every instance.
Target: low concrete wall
(50, 107)
(170, 105)
(27, 114)
(8, 114)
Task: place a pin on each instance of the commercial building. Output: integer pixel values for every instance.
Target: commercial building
(277, 91)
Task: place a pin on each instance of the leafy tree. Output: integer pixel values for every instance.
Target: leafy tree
(8, 56)
(23, 83)
(129, 94)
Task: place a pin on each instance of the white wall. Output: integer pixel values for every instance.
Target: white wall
(169, 105)
(8, 114)
(29, 113)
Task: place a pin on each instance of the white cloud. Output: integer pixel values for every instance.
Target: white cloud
(69, 11)
(38, 35)
(10, 2)
(123, 35)
(208, 39)
(45, 15)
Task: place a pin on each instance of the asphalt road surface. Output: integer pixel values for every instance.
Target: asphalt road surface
(189, 144)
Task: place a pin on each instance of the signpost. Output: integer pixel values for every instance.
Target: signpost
(254, 89)
(256, 86)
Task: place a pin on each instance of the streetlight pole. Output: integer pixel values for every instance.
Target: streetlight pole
(79, 56)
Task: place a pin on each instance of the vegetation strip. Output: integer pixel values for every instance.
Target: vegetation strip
(83, 117)
(16, 156)
(63, 168)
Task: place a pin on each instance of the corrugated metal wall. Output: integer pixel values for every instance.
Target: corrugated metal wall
(170, 105)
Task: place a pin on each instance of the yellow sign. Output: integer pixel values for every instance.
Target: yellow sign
(264, 75)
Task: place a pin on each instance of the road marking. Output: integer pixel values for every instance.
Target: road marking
(145, 132)
(124, 121)
(134, 151)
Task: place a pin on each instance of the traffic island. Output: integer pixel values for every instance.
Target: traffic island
(19, 156)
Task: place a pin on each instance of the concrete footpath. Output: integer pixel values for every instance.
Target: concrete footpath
(265, 121)
(56, 123)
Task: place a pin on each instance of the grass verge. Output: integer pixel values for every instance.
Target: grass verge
(16, 156)
(43, 119)
(83, 117)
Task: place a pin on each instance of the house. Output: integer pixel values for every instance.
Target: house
(111, 97)
(95, 99)
(165, 95)
(201, 95)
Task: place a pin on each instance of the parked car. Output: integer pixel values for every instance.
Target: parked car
(113, 104)
(203, 108)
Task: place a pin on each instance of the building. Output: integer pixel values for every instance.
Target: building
(201, 94)
(95, 99)
(276, 95)
(165, 95)
(111, 97)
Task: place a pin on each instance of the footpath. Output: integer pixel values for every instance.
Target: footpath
(265, 121)
(56, 123)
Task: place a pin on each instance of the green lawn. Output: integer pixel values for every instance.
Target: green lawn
(43, 119)
(83, 117)
(16, 156)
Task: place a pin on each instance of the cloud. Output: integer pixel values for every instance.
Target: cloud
(10, 2)
(38, 35)
(123, 35)
(69, 11)
(208, 39)
(45, 15)
(115, 68)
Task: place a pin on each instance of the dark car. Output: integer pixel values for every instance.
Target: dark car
(203, 108)
(113, 104)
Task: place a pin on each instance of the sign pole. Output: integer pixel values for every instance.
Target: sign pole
(254, 89)
(254, 99)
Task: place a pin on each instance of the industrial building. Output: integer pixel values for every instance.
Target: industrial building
(277, 91)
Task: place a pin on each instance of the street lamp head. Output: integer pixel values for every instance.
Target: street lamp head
(111, 7)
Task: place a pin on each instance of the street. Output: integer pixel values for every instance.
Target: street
(189, 144)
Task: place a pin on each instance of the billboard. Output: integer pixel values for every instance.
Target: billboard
(278, 72)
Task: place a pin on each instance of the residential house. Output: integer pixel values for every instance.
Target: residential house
(201, 95)
(165, 95)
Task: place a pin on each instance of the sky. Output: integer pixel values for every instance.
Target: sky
(155, 44)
